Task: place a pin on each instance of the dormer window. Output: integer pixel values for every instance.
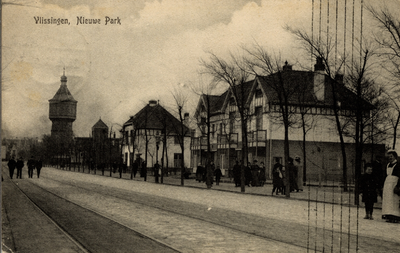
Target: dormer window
(258, 93)
(232, 101)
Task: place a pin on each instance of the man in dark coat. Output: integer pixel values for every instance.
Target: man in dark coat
(277, 177)
(143, 170)
(11, 166)
(38, 165)
(156, 171)
(218, 175)
(369, 189)
(255, 174)
(236, 174)
(210, 167)
(20, 165)
(199, 173)
(135, 167)
(31, 166)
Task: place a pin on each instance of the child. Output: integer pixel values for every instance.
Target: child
(369, 191)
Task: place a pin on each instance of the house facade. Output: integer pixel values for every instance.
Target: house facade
(310, 100)
(154, 134)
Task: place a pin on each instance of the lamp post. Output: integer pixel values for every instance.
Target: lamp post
(157, 166)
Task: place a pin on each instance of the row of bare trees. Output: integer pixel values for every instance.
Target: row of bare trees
(359, 74)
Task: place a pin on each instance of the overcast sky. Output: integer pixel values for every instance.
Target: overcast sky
(114, 70)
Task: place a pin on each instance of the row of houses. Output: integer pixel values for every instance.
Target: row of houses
(154, 134)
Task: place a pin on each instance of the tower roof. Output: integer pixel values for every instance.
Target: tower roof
(63, 93)
(100, 125)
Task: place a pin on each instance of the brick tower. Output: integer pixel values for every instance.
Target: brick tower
(62, 113)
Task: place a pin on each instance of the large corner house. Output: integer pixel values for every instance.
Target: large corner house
(309, 94)
(146, 132)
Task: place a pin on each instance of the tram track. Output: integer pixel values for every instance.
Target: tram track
(277, 231)
(64, 232)
(78, 238)
(172, 209)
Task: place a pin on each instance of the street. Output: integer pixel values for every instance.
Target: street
(106, 214)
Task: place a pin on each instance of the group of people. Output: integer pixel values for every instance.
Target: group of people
(279, 177)
(19, 164)
(254, 174)
(206, 173)
(371, 186)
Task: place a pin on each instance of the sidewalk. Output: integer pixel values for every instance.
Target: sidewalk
(329, 192)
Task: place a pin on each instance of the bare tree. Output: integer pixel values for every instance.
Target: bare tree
(322, 50)
(388, 38)
(181, 129)
(269, 67)
(203, 118)
(233, 73)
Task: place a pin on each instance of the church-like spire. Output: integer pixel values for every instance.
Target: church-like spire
(63, 77)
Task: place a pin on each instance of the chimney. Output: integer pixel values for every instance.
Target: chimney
(152, 102)
(287, 67)
(186, 118)
(319, 79)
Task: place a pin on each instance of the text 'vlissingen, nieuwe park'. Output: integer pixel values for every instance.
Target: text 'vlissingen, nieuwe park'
(80, 20)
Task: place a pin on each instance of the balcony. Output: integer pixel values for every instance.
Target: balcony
(198, 143)
(257, 138)
(227, 140)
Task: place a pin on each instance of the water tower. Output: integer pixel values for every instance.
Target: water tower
(62, 113)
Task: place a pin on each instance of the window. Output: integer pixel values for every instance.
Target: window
(176, 140)
(177, 160)
(232, 101)
(259, 113)
(231, 122)
(259, 93)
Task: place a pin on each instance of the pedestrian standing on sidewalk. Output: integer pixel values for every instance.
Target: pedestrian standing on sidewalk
(199, 173)
(277, 177)
(135, 167)
(156, 171)
(31, 166)
(390, 200)
(210, 167)
(143, 170)
(38, 165)
(247, 174)
(11, 166)
(120, 169)
(20, 165)
(236, 174)
(263, 177)
(255, 174)
(297, 163)
(293, 172)
(218, 175)
(369, 190)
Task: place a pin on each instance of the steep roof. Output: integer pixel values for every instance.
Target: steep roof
(100, 125)
(156, 117)
(63, 94)
(299, 86)
(219, 102)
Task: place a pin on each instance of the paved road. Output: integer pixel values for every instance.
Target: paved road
(194, 220)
